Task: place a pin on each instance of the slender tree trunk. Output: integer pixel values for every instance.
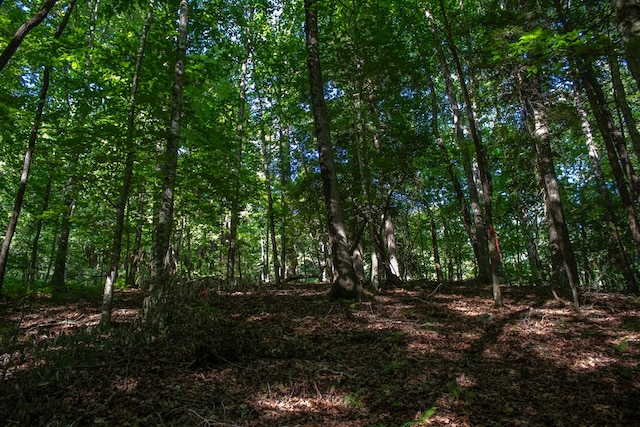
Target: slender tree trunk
(285, 179)
(611, 137)
(136, 254)
(628, 13)
(623, 105)
(24, 29)
(33, 265)
(60, 264)
(436, 252)
(116, 250)
(478, 234)
(345, 282)
(594, 157)
(483, 167)
(17, 205)
(481, 259)
(160, 273)
(24, 176)
(266, 161)
(235, 202)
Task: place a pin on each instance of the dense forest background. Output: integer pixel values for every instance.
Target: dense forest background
(319, 212)
(158, 141)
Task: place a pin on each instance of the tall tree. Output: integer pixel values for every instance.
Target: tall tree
(345, 281)
(628, 13)
(160, 272)
(116, 249)
(33, 137)
(539, 131)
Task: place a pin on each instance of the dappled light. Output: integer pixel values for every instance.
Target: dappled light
(289, 356)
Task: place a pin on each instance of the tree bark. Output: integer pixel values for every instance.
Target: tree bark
(112, 276)
(559, 235)
(24, 29)
(345, 283)
(33, 263)
(160, 273)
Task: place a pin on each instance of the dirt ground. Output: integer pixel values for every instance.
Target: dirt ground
(290, 357)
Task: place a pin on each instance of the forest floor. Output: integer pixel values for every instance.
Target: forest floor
(290, 357)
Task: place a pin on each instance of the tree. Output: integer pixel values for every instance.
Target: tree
(112, 276)
(628, 14)
(160, 272)
(24, 29)
(345, 281)
(33, 137)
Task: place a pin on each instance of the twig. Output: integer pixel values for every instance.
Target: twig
(432, 293)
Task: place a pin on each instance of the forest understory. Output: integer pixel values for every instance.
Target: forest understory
(291, 357)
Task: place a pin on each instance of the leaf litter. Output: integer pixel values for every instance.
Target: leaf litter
(291, 357)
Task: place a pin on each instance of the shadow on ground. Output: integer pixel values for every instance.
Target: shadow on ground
(289, 357)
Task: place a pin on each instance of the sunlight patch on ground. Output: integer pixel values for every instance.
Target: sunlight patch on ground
(592, 361)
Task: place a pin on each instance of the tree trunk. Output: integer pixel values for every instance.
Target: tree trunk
(137, 253)
(628, 13)
(623, 105)
(624, 257)
(60, 265)
(235, 202)
(478, 234)
(559, 235)
(483, 167)
(436, 252)
(611, 137)
(345, 282)
(112, 276)
(266, 168)
(25, 28)
(17, 206)
(160, 273)
(33, 264)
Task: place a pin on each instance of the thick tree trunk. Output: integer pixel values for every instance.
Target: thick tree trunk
(345, 282)
(24, 29)
(559, 235)
(160, 273)
(112, 276)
